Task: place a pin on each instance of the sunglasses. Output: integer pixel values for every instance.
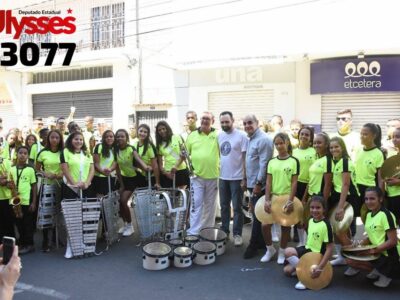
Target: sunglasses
(342, 119)
(247, 123)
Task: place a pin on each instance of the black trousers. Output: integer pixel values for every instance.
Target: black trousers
(6, 220)
(26, 227)
(256, 239)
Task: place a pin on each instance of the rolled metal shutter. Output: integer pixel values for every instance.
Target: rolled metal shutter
(242, 103)
(367, 108)
(98, 103)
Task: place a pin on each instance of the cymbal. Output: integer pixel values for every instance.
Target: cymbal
(358, 248)
(360, 257)
(347, 219)
(279, 213)
(306, 263)
(363, 212)
(261, 214)
(391, 167)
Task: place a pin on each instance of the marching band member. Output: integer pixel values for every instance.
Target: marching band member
(344, 189)
(393, 184)
(78, 171)
(127, 158)
(147, 152)
(282, 175)
(6, 212)
(104, 164)
(319, 239)
(320, 172)
(48, 163)
(23, 182)
(306, 156)
(202, 146)
(169, 157)
(11, 145)
(380, 226)
(38, 145)
(368, 161)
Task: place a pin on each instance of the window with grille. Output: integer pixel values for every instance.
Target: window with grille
(108, 26)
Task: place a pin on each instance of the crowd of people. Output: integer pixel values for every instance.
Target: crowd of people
(325, 171)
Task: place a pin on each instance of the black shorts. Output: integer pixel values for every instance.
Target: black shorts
(393, 204)
(388, 266)
(334, 199)
(181, 178)
(100, 185)
(143, 181)
(68, 193)
(130, 183)
(301, 251)
(301, 188)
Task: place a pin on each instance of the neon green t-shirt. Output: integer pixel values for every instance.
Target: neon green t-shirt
(376, 227)
(306, 158)
(9, 153)
(50, 161)
(35, 149)
(125, 160)
(319, 233)
(282, 171)
(393, 190)
(78, 164)
(105, 162)
(344, 165)
(204, 152)
(317, 171)
(148, 156)
(5, 166)
(367, 163)
(171, 153)
(23, 178)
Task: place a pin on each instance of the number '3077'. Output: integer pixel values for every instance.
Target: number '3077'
(29, 53)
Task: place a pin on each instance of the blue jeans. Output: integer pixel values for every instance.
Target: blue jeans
(231, 190)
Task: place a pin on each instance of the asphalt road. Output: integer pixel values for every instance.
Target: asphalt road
(118, 274)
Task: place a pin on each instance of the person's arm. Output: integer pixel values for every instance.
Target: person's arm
(346, 178)
(141, 163)
(267, 205)
(119, 176)
(381, 183)
(265, 150)
(315, 273)
(9, 275)
(243, 183)
(156, 171)
(96, 162)
(305, 196)
(390, 242)
(327, 185)
(67, 174)
(89, 179)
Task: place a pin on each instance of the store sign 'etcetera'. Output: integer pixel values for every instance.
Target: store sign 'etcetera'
(35, 22)
(373, 74)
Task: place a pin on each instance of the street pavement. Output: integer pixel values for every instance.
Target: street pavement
(118, 274)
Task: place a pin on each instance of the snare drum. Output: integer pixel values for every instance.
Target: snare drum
(204, 253)
(216, 236)
(155, 256)
(183, 257)
(190, 240)
(174, 243)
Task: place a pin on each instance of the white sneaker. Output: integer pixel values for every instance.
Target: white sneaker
(383, 281)
(339, 261)
(128, 230)
(122, 229)
(351, 272)
(268, 255)
(300, 286)
(237, 241)
(281, 256)
(68, 252)
(374, 274)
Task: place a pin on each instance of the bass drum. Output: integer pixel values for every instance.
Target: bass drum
(155, 256)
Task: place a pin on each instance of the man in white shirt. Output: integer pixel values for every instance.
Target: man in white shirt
(232, 148)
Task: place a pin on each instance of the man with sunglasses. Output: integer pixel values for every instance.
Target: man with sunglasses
(259, 151)
(344, 121)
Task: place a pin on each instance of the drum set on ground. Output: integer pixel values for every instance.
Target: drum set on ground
(182, 253)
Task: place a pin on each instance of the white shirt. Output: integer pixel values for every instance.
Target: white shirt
(232, 149)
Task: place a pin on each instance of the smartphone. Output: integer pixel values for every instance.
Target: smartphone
(8, 248)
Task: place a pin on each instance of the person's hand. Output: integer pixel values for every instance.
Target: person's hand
(149, 169)
(339, 215)
(243, 184)
(10, 273)
(316, 272)
(267, 206)
(257, 190)
(289, 206)
(169, 175)
(251, 207)
(173, 171)
(32, 207)
(106, 171)
(157, 186)
(393, 181)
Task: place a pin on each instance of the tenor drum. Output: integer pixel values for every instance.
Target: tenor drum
(155, 256)
(174, 243)
(216, 236)
(183, 257)
(190, 240)
(205, 253)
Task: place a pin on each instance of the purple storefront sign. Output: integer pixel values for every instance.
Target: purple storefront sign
(372, 74)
